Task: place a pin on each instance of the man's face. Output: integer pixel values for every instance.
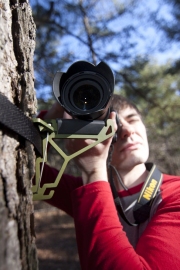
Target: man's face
(131, 147)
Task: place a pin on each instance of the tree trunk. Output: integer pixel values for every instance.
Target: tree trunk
(17, 42)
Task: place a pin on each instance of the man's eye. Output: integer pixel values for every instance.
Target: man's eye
(134, 120)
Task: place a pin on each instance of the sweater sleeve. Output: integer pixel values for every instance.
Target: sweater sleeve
(102, 243)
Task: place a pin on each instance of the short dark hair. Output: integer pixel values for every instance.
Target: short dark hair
(119, 102)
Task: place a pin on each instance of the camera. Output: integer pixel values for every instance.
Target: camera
(85, 90)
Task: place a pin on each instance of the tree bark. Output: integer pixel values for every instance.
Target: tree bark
(17, 158)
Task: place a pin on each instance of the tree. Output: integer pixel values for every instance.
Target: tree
(17, 39)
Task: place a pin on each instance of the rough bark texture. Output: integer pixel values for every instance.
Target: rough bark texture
(17, 42)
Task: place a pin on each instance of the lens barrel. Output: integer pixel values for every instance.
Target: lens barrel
(85, 89)
(86, 97)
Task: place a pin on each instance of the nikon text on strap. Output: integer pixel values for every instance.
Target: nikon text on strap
(14, 119)
(142, 207)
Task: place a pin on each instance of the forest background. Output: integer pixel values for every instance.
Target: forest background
(139, 40)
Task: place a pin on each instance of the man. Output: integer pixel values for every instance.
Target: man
(105, 238)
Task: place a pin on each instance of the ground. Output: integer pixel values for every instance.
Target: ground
(55, 239)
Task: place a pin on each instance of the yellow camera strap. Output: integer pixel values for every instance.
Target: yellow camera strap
(142, 207)
(148, 192)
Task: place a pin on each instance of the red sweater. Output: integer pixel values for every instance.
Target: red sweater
(101, 238)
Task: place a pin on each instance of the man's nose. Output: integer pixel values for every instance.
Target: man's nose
(126, 130)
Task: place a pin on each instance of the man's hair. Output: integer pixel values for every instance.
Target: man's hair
(119, 103)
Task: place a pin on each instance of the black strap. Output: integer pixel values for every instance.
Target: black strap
(117, 201)
(13, 118)
(149, 191)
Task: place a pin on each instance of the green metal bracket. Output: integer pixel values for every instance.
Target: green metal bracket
(49, 131)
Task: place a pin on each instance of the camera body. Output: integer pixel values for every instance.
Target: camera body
(85, 90)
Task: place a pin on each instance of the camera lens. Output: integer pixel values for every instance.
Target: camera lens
(85, 89)
(86, 97)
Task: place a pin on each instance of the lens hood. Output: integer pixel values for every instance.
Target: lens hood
(85, 89)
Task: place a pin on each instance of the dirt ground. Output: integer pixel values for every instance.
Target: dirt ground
(55, 239)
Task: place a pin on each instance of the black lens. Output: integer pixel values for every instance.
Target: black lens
(86, 97)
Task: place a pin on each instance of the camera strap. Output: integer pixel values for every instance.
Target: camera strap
(149, 191)
(14, 119)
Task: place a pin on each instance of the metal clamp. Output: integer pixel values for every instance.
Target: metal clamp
(56, 129)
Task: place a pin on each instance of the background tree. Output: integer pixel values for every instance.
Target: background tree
(68, 31)
(168, 28)
(17, 39)
(131, 36)
(123, 34)
(157, 94)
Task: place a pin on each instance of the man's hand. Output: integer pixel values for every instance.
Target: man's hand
(92, 162)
